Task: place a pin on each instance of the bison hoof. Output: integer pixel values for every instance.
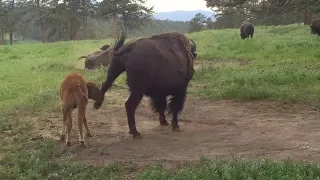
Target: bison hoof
(89, 135)
(82, 144)
(164, 123)
(134, 134)
(69, 144)
(96, 105)
(137, 135)
(62, 137)
(176, 128)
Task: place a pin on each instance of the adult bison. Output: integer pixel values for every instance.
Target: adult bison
(246, 30)
(157, 67)
(315, 26)
(96, 59)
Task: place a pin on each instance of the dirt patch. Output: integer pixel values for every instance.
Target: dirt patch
(224, 128)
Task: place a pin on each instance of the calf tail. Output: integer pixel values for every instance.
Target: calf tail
(81, 97)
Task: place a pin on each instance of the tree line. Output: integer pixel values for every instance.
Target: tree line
(230, 14)
(64, 20)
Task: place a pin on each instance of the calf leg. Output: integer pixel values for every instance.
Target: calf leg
(131, 106)
(69, 126)
(81, 117)
(64, 124)
(86, 127)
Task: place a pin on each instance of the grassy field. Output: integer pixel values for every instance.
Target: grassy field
(279, 63)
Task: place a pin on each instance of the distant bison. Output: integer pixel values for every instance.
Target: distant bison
(158, 66)
(246, 30)
(315, 26)
(74, 93)
(100, 58)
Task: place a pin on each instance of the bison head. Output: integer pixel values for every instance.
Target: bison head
(95, 94)
(313, 30)
(193, 48)
(89, 64)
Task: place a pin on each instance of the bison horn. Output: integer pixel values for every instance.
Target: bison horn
(193, 46)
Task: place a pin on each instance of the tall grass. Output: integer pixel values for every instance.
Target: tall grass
(279, 63)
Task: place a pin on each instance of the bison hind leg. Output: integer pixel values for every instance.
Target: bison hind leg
(159, 104)
(175, 106)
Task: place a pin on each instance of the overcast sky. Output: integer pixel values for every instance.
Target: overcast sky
(172, 5)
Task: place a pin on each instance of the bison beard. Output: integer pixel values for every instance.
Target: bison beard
(158, 66)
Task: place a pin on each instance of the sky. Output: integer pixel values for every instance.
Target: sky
(172, 5)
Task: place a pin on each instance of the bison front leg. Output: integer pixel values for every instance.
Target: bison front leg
(131, 106)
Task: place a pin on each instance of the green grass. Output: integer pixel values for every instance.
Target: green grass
(239, 169)
(279, 63)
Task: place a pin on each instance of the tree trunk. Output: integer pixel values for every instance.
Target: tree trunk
(114, 26)
(67, 16)
(67, 35)
(12, 22)
(57, 38)
(43, 36)
(11, 37)
(1, 36)
(75, 33)
(43, 33)
(85, 27)
(307, 18)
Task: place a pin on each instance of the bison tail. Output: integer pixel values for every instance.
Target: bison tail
(82, 57)
(120, 41)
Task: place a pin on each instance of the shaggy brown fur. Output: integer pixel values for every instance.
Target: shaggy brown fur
(246, 30)
(158, 66)
(74, 93)
(315, 26)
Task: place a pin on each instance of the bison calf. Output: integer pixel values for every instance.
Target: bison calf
(74, 93)
(315, 26)
(246, 30)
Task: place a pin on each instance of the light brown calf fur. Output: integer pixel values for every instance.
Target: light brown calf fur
(74, 93)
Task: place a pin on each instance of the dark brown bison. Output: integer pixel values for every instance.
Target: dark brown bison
(74, 93)
(315, 26)
(246, 30)
(158, 66)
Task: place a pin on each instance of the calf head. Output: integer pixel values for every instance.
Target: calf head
(95, 94)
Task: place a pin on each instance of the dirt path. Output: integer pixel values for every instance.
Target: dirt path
(224, 128)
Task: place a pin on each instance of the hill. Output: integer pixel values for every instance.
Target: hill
(181, 15)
